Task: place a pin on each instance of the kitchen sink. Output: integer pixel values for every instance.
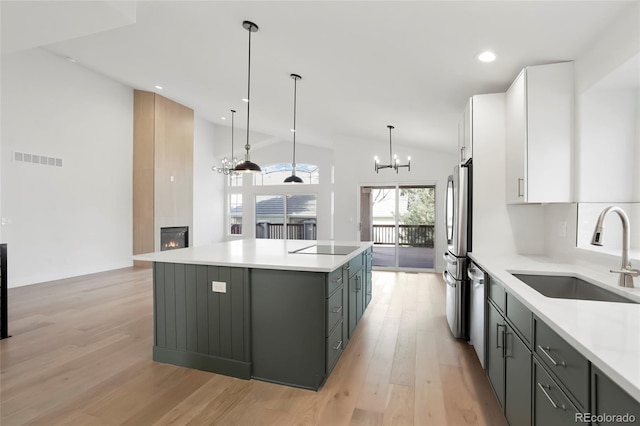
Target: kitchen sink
(568, 287)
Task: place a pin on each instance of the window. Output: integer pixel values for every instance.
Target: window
(275, 174)
(290, 217)
(235, 214)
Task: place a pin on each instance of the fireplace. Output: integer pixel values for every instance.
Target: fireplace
(174, 237)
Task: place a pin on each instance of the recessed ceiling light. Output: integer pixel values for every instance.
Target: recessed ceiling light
(70, 59)
(158, 87)
(245, 100)
(223, 118)
(487, 56)
(293, 130)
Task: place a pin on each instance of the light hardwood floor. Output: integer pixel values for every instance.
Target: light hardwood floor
(81, 354)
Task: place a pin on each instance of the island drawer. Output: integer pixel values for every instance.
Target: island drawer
(334, 280)
(334, 347)
(571, 368)
(355, 264)
(335, 309)
(520, 316)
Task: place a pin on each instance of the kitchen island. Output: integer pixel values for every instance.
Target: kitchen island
(275, 310)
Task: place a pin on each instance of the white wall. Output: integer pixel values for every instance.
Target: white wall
(354, 167)
(607, 145)
(75, 219)
(208, 187)
(615, 46)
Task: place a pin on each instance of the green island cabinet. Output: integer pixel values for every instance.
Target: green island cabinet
(539, 378)
(281, 326)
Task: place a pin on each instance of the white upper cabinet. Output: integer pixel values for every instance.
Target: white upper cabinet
(465, 137)
(539, 112)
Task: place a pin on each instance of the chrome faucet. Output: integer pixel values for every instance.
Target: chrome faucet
(626, 271)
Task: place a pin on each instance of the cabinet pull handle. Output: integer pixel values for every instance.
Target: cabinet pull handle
(337, 310)
(497, 340)
(462, 153)
(337, 346)
(358, 286)
(504, 341)
(545, 351)
(337, 280)
(520, 191)
(346, 267)
(544, 388)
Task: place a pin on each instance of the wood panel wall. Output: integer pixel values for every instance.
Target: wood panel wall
(162, 169)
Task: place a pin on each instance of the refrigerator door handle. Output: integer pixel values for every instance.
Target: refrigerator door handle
(449, 259)
(476, 276)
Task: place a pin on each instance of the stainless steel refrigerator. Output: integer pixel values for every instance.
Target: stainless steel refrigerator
(458, 230)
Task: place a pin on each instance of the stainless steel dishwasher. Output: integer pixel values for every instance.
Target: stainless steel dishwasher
(477, 310)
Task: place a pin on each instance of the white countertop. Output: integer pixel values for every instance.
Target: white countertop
(606, 333)
(259, 254)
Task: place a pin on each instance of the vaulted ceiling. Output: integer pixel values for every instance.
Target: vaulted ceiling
(364, 64)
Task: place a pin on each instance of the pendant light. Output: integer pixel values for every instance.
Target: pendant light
(293, 178)
(247, 166)
(228, 166)
(394, 163)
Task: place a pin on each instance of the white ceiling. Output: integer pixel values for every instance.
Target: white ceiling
(364, 64)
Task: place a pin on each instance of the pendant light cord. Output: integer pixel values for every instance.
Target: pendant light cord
(295, 97)
(390, 149)
(247, 146)
(233, 113)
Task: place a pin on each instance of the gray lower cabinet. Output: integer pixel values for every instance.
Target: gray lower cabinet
(551, 404)
(610, 404)
(509, 369)
(368, 283)
(495, 352)
(356, 299)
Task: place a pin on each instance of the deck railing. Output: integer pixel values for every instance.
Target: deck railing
(295, 231)
(411, 235)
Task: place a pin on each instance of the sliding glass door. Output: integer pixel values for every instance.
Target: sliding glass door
(400, 220)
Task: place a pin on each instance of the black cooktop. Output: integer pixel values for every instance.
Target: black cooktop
(326, 249)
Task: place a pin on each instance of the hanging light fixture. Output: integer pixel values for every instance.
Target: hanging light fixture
(394, 163)
(247, 166)
(293, 178)
(228, 166)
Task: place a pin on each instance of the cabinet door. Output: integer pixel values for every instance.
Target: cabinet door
(516, 132)
(495, 351)
(467, 147)
(360, 294)
(517, 380)
(609, 398)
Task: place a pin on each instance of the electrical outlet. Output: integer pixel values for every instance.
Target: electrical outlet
(562, 229)
(218, 286)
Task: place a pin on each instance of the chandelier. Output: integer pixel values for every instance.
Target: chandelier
(228, 166)
(394, 163)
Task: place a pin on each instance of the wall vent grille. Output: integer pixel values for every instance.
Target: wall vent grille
(37, 159)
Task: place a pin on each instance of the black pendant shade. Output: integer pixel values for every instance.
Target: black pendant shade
(247, 166)
(293, 178)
